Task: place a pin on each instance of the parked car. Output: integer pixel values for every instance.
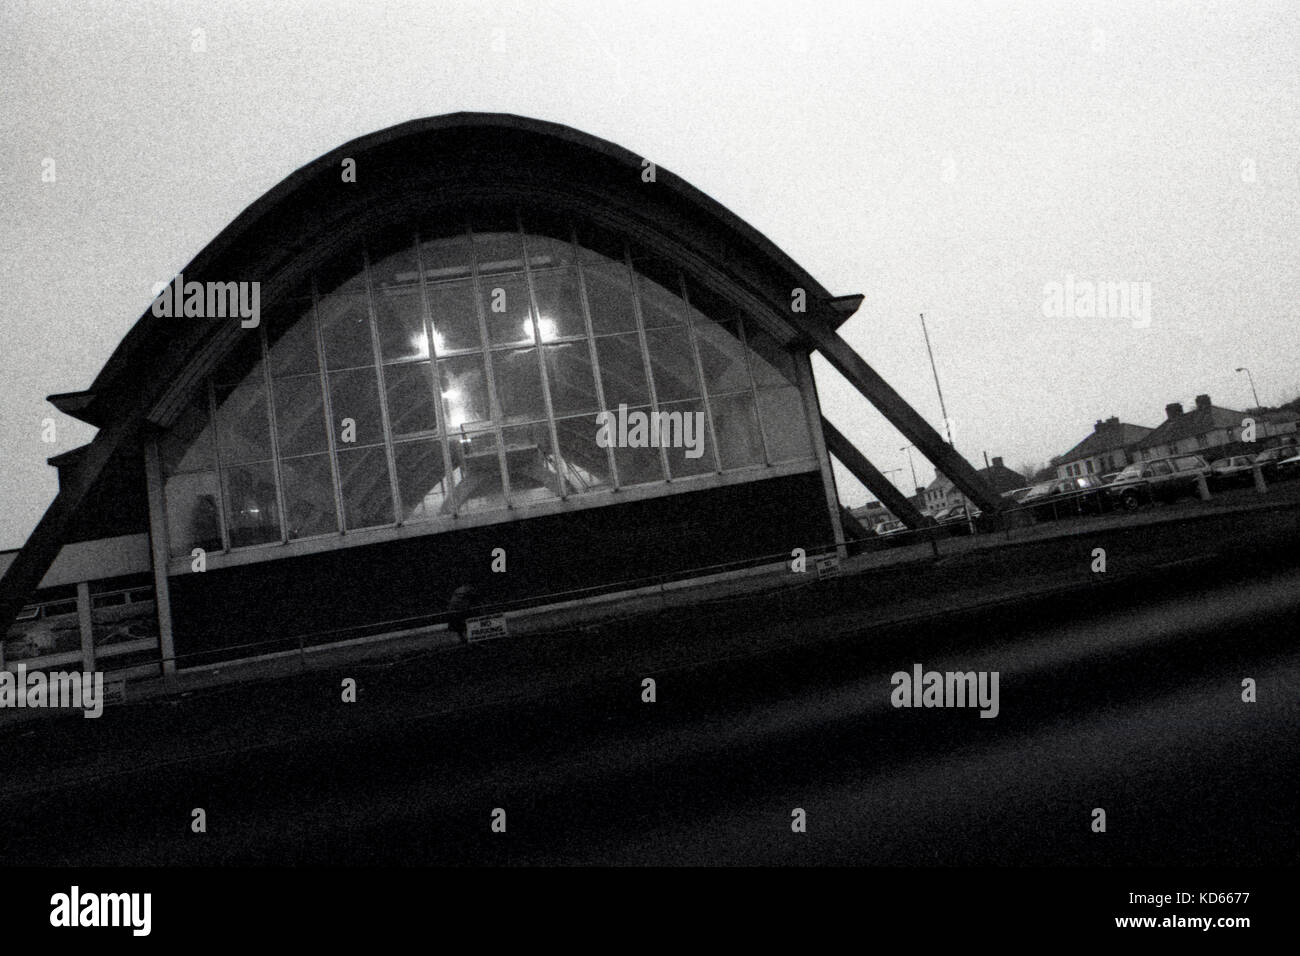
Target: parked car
(1160, 479)
(1288, 468)
(956, 520)
(1270, 458)
(894, 534)
(1036, 492)
(1067, 496)
(1237, 470)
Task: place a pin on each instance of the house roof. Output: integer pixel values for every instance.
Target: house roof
(1108, 436)
(999, 477)
(1281, 416)
(1197, 421)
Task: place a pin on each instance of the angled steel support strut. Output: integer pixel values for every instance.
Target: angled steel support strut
(867, 473)
(900, 414)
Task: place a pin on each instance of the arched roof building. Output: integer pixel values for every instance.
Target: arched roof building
(462, 336)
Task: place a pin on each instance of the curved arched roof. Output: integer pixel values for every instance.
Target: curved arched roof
(455, 159)
(402, 173)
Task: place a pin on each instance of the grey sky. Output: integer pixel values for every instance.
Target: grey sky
(950, 158)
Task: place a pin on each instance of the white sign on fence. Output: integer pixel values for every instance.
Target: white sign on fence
(486, 628)
(828, 567)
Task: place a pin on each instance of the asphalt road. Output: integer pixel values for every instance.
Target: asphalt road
(1126, 699)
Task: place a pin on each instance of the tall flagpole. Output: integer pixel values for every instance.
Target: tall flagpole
(947, 423)
(944, 411)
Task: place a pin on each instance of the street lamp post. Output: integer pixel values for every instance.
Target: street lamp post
(1258, 406)
(916, 485)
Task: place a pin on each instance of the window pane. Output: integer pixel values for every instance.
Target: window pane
(498, 252)
(638, 463)
(673, 364)
(586, 464)
(243, 431)
(531, 463)
(477, 473)
(722, 356)
(354, 394)
(252, 515)
(573, 383)
(519, 384)
(735, 420)
(367, 494)
(609, 293)
(401, 326)
(397, 270)
(309, 496)
(509, 316)
(300, 415)
(622, 370)
(57, 631)
(293, 345)
(455, 318)
(544, 252)
(784, 424)
(660, 306)
(192, 520)
(684, 432)
(187, 445)
(447, 258)
(559, 306)
(772, 364)
(410, 398)
(421, 479)
(464, 390)
(345, 328)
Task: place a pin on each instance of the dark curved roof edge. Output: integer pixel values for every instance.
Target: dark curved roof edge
(120, 362)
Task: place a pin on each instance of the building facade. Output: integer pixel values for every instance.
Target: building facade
(942, 493)
(497, 359)
(1112, 445)
(1215, 432)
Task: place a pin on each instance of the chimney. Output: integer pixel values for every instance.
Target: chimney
(1097, 427)
(997, 462)
(1113, 420)
(1173, 409)
(1202, 401)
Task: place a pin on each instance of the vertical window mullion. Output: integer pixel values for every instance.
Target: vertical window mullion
(222, 496)
(645, 353)
(485, 352)
(534, 313)
(440, 416)
(373, 311)
(276, 471)
(591, 345)
(753, 391)
(699, 370)
(339, 519)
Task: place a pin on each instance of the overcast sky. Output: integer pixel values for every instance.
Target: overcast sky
(945, 158)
